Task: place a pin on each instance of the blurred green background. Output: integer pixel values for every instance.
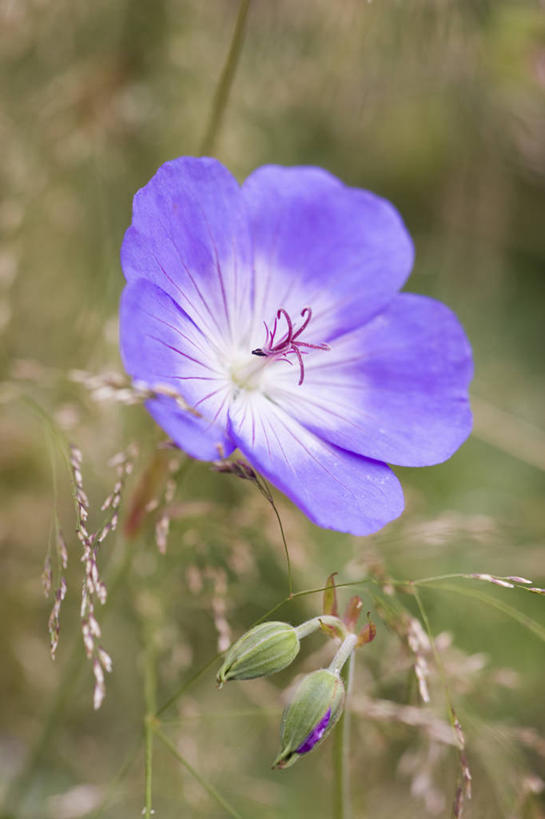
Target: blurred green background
(438, 106)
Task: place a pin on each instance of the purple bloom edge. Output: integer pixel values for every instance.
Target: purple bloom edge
(315, 735)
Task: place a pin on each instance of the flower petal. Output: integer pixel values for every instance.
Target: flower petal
(189, 235)
(342, 252)
(160, 344)
(394, 390)
(191, 434)
(335, 488)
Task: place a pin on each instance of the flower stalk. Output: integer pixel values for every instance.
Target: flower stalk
(324, 620)
(341, 750)
(226, 80)
(344, 653)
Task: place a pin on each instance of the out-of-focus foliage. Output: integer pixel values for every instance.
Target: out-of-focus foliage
(438, 106)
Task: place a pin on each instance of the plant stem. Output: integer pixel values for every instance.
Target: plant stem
(221, 96)
(265, 490)
(456, 727)
(116, 780)
(341, 750)
(185, 685)
(286, 551)
(150, 684)
(510, 611)
(206, 785)
(343, 654)
(310, 626)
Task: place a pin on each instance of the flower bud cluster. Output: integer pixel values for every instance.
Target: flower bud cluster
(319, 699)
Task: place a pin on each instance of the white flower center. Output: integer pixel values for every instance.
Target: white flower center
(248, 372)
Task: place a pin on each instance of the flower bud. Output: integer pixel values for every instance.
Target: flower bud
(265, 649)
(316, 707)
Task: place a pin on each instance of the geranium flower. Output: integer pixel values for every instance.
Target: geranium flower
(273, 309)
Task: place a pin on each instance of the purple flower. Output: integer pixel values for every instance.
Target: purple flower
(273, 309)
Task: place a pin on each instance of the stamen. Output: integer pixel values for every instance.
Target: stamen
(306, 322)
(301, 365)
(289, 343)
(289, 335)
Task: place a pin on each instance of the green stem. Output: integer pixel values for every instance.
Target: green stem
(533, 626)
(310, 626)
(148, 768)
(221, 96)
(206, 785)
(456, 728)
(286, 551)
(437, 656)
(116, 781)
(343, 654)
(264, 488)
(177, 694)
(150, 696)
(341, 750)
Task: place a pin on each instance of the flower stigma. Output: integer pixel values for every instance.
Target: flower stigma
(289, 344)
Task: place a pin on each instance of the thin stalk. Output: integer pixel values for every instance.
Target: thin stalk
(116, 781)
(211, 791)
(264, 488)
(342, 808)
(508, 581)
(286, 551)
(177, 694)
(150, 690)
(221, 96)
(344, 653)
(310, 626)
(421, 581)
(465, 788)
(532, 625)
(437, 657)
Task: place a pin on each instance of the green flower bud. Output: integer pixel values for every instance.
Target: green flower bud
(265, 649)
(316, 707)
